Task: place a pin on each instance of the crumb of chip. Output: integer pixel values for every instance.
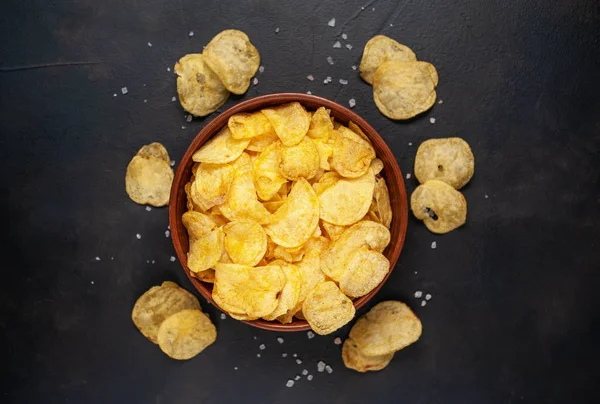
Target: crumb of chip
(173, 98)
(223, 316)
(167, 233)
(124, 90)
(298, 361)
(97, 258)
(428, 296)
(408, 176)
(343, 82)
(277, 30)
(261, 69)
(337, 44)
(432, 120)
(434, 245)
(310, 77)
(328, 369)
(138, 236)
(352, 102)
(344, 36)
(172, 259)
(320, 366)
(191, 33)
(418, 294)
(289, 383)
(309, 377)
(423, 303)
(331, 22)
(262, 347)
(284, 355)
(304, 371)
(310, 335)
(349, 46)
(280, 340)
(337, 341)
(330, 60)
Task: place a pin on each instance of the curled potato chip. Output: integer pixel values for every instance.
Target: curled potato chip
(380, 49)
(199, 88)
(197, 224)
(155, 150)
(213, 181)
(354, 359)
(326, 181)
(291, 122)
(386, 328)
(320, 124)
(241, 202)
(352, 155)
(248, 126)
(366, 269)
(260, 142)
(402, 90)
(148, 179)
(221, 149)
(245, 242)
(376, 166)
(450, 160)
(356, 129)
(265, 172)
(296, 220)
(299, 161)
(439, 206)
(205, 252)
(158, 303)
(191, 206)
(348, 200)
(291, 291)
(333, 231)
(325, 151)
(272, 206)
(185, 334)
(233, 58)
(382, 200)
(207, 276)
(198, 200)
(246, 290)
(326, 308)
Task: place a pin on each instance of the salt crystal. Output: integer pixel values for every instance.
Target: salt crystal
(440, 102)
(168, 69)
(344, 36)
(191, 33)
(428, 296)
(235, 368)
(418, 294)
(325, 81)
(92, 282)
(145, 101)
(153, 261)
(112, 258)
(309, 377)
(255, 338)
(433, 245)
(173, 99)
(310, 335)
(331, 22)
(373, 9)
(182, 127)
(97, 258)
(124, 90)
(310, 77)
(408, 176)
(352, 102)
(328, 369)
(289, 383)
(172, 259)
(297, 377)
(298, 361)
(304, 372)
(189, 118)
(167, 233)
(295, 355)
(423, 303)
(223, 316)
(354, 67)
(115, 94)
(321, 366)
(337, 44)
(309, 92)
(139, 236)
(149, 44)
(261, 69)
(349, 46)
(284, 355)
(261, 347)
(172, 163)
(254, 81)
(486, 196)
(343, 82)
(280, 340)
(432, 120)
(329, 79)
(277, 30)
(337, 341)
(330, 60)
(410, 143)
(258, 355)
(391, 25)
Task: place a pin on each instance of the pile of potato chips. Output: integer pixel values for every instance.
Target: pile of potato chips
(288, 217)
(402, 86)
(149, 176)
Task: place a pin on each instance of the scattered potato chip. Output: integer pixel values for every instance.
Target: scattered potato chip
(379, 50)
(326, 308)
(299, 161)
(185, 334)
(333, 231)
(245, 242)
(376, 166)
(242, 203)
(386, 328)
(450, 160)
(320, 124)
(265, 172)
(260, 142)
(149, 176)
(233, 58)
(382, 199)
(291, 291)
(199, 88)
(248, 126)
(205, 252)
(354, 359)
(352, 155)
(155, 150)
(291, 122)
(213, 181)
(348, 200)
(366, 269)
(439, 206)
(403, 90)
(197, 224)
(158, 303)
(221, 149)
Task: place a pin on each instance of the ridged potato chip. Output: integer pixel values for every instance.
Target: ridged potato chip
(205, 252)
(379, 50)
(245, 242)
(213, 181)
(348, 200)
(439, 206)
(333, 231)
(366, 269)
(221, 149)
(199, 89)
(355, 360)
(296, 220)
(291, 291)
(233, 58)
(382, 200)
(260, 142)
(185, 334)
(197, 224)
(158, 303)
(386, 328)
(291, 122)
(155, 150)
(352, 155)
(450, 160)
(326, 308)
(248, 126)
(148, 178)
(320, 124)
(265, 172)
(241, 202)
(402, 90)
(299, 161)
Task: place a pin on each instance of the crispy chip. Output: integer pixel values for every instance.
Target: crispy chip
(450, 160)
(158, 303)
(381, 49)
(366, 269)
(403, 90)
(245, 242)
(386, 328)
(291, 291)
(197, 224)
(247, 126)
(439, 206)
(356, 129)
(352, 154)
(320, 125)
(191, 206)
(199, 88)
(260, 143)
(221, 149)
(326, 181)
(354, 359)
(213, 181)
(155, 150)
(326, 308)
(205, 252)
(382, 199)
(198, 200)
(348, 200)
(333, 231)
(376, 166)
(291, 122)
(272, 206)
(207, 276)
(148, 179)
(242, 203)
(325, 152)
(233, 58)
(185, 334)
(299, 161)
(265, 172)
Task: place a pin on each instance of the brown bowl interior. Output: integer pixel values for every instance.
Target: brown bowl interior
(391, 172)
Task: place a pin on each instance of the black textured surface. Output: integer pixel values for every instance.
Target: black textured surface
(515, 310)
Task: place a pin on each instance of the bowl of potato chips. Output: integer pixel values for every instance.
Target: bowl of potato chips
(288, 212)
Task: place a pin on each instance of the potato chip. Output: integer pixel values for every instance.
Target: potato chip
(158, 303)
(199, 89)
(265, 172)
(233, 58)
(207, 276)
(291, 122)
(221, 149)
(299, 161)
(320, 125)
(291, 291)
(326, 308)
(382, 199)
(185, 334)
(366, 269)
(198, 200)
(402, 90)
(326, 181)
(450, 160)
(242, 203)
(333, 231)
(296, 220)
(386, 328)
(205, 252)
(376, 166)
(247, 126)
(380, 49)
(316, 244)
(348, 200)
(260, 142)
(354, 359)
(246, 290)
(325, 152)
(191, 206)
(439, 206)
(352, 154)
(197, 224)
(272, 206)
(148, 180)
(213, 181)
(245, 242)
(356, 129)
(155, 150)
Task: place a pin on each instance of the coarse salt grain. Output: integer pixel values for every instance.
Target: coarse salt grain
(145, 101)
(191, 33)
(349, 46)
(261, 69)
(255, 81)
(344, 36)
(418, 294)
(337, 44)
(331, 22)
(440, 102)
(309, 377)
(258, 355)
(434, 245)
(408, 176)
(172, 259)
(280, 340)
(352, 102)
(173, 99)
(343, 82)
(115, 94)
(284, 355)
(309, 92)
(172, 164)
(432, 120)
(423, 303)
(330, 60)
(289, 383)
(297, 377)
(486, 196)
(410, 143)
(328, 369)
(298, 361)
(97, 258)
(295, 355)
(124, 90)
(223, 316)
(182, 127)
(235, 368)
(167, 233)
(168, 69)
(310, 335)
(391, 25)
(255, 338)
(150, 44)
(354, 67)
(304, 372)
(189, 118)
(92, 282)
(139, 236)
(277, 30)
(337, 341)
(310, 77)
(153, 261)
(262, 347)
(428, 296)
(320, 366)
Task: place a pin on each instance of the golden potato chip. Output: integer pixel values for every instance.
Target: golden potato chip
(333, 231)
(386, 328)
(376, 166)
(207, 276)
(352, 154)
(348, 200)
(272, 206)
(402, 90)
(366, 269)
(379, 50)
(221, 149)
(213, 181)
(241, 202)
(199, 88)
(326, 181)
(265, 172)
(197, 224)
(191, 206)
(296, 220)
(316, 244)
(382, 199)
(247, 126)
(246, 290)
(320, 124)
(325, 152)
(354, 359)
(185, 334)
(291, 122)
(158, 303)
(148, 180)
(356, 129)
(299, 161)
(219, 219)
(205, 252)
(233, 58)
(291, 291)
(155, 150)
(326, 308)
(335, 259)
(439, 206)
(260, 143)
(198, 200)
(245, 242)
(450, 160)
